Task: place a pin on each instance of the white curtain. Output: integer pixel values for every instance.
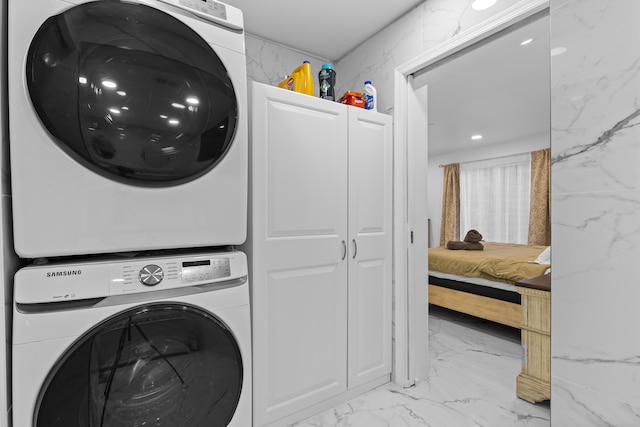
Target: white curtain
(494, 198)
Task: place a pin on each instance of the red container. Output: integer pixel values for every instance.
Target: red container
(352, 98)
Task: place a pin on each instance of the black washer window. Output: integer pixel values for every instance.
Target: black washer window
(160, 365)
(132, 93)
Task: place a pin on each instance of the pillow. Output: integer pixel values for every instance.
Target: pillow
(544, 257)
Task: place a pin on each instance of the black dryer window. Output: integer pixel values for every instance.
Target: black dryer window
(132, 93)
(162, 365)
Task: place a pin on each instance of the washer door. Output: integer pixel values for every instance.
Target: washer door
(131, 93)
(163, 365)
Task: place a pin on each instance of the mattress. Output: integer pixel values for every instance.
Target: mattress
(480, 281)
(498, 262)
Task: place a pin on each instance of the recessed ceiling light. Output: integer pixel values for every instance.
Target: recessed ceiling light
(476, 137)
(558, 50)
(483, 4)
(526, 42)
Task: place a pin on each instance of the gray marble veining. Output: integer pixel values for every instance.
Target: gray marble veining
(595, 92)
(472, 383)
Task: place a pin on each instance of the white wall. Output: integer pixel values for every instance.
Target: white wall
(436, 173)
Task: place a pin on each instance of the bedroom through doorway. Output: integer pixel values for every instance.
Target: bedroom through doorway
(484, 84)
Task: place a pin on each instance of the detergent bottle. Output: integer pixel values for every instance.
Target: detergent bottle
(370, 96)
(300, 80)
(287, 83)
(327, 82)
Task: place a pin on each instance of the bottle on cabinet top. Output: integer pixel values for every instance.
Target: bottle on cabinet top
(300, 80)
(327, 82)
(370, 96)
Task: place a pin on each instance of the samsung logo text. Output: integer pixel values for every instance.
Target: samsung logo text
(64, 273)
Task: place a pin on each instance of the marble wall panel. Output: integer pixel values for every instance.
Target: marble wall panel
(421, 29)
(595, 320)
(595, 291)
(596, 96)
(595, 223)
(589, 407)
(269, 62)
(377, 58)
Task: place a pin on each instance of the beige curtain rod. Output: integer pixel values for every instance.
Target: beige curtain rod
(490, 158)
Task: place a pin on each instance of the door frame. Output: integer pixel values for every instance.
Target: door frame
(410, 345)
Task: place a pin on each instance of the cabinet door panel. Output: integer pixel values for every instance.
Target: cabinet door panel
(370, 234)
(306, 171)
(298, 225)
(305, 342)
(369, 318)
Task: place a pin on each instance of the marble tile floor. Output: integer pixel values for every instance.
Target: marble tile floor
(474, 364)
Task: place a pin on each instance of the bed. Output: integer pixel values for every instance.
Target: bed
(481, 283)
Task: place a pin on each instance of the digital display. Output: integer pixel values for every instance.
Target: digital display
(195, 263)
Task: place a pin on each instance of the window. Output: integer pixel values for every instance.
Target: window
(494, 198)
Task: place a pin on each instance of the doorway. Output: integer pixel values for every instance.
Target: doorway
(412, 176)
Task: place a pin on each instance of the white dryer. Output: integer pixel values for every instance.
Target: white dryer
(162, 341)
(128, 125)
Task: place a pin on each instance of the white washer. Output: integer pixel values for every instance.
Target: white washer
(128, 125)
(161, 341)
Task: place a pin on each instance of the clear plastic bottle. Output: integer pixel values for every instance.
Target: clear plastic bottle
(327, 82)
(370, 96)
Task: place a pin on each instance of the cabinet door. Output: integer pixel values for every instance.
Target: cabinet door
(370, 240)
(299, 232)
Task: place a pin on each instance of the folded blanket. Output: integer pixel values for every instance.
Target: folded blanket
(469, 246)
(471, 242)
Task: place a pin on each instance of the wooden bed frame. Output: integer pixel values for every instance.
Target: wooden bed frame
(496, 310)
(452, 285)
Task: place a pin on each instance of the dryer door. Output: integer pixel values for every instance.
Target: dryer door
(163, 365)
(132, 93)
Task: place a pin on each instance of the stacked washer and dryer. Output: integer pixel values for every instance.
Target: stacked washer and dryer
(128, 148)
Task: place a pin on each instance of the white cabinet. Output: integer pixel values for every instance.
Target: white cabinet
(369, 231)
(319, 251)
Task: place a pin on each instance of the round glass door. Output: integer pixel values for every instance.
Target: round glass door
(161, 365)
(132, 93)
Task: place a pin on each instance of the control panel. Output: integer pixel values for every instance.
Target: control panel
(77, 281)
(209, 7)
(127, 278)
(151, 275)
(210, 269)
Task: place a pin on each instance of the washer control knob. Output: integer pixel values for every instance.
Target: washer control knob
(151, 275)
